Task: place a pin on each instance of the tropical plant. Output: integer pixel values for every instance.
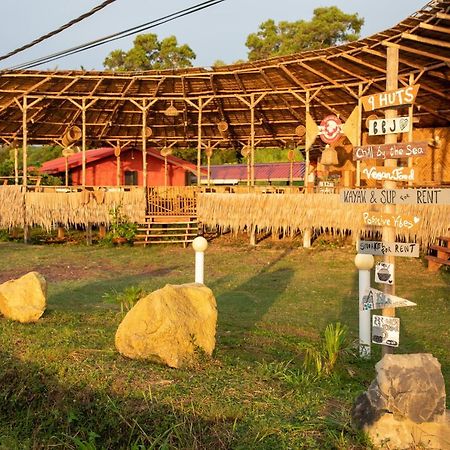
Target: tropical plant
(120, 226)
(125, 299)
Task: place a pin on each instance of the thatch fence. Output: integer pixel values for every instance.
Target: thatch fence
(51, 209)
(289, 214)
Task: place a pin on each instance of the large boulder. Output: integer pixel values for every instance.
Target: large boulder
(24, 299)
(405, 404)
(170, 325)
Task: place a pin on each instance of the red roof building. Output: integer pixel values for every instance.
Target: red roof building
(102, 168)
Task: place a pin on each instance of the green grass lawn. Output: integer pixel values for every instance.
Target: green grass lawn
(63, 384)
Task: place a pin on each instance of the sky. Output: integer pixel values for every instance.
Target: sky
(216, 33)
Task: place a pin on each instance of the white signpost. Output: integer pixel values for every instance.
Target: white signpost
(432, 196)
(384, 273)
(376, 299)
(381, 127)
(379, 248)
(386, 330)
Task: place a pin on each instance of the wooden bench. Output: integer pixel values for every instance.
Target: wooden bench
(442, 257)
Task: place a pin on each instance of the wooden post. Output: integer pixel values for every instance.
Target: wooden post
(89, 234)
(411, 131)
(61, 232)
(165, 171)
(66, 160)
(24, 140)
(252, 140)
(144, 144)
(83, 142)
(358, 163)
(306, 176)
(16, 165)
(389, 232)
(199, 141)
(118, 177)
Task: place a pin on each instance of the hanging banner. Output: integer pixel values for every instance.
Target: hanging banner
(376, 219)
(376, 299)
(388, 99)
(384, 273)
(429, 196)
(390, 151)
(380, 127)
(381, 173)
(379, 248)
(385, 330)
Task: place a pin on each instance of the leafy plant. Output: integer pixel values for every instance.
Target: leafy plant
(126, 299)
(120, 226)
(322, 360)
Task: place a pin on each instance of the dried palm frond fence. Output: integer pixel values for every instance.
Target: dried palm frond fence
(51, 209)
(289, 214)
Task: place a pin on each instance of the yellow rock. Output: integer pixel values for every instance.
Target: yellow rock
(24, 299)
(169, 325)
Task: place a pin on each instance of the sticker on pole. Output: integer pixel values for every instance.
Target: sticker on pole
(386, 330)
(376, 299)
(330, 129)
(384, 273)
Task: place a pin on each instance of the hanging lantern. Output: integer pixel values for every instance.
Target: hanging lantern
(71, 135)
(171, 111)
(222, 126)
(245, 151)
(329, 156)
(166, 151)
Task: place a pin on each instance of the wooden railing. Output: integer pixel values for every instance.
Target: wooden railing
(172, 201)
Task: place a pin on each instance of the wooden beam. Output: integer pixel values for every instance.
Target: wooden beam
(425, 40)
(428, 26)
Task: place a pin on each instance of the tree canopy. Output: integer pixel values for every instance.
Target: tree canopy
(150, 53)
(329, 26)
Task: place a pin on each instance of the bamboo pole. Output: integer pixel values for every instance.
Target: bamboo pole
(392, 62)
(16, 165)
(24, 140)
(411, 131)
(66, 160)
(358, 163)
(306, 176)
(144, 143)
(252, 140)
(199, 141)
(83, 142)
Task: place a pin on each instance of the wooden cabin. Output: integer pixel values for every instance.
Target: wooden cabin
(104, 167)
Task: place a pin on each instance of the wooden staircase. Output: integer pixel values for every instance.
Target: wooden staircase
(167, 230)
(442, 257)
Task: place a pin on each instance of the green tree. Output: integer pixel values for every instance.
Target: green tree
(328, 27)
(150, 53)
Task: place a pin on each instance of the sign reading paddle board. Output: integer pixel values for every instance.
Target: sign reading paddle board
(376, 219)
(385, 330)
(382, 173)
(388, 99)
(379, 248)
(376, 299)
(380, 127)
(432, 196)
(389, 151)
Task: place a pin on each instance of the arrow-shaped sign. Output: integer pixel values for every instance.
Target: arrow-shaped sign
(376, 299)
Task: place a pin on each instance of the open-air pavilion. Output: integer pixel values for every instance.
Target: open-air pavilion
(250, 106)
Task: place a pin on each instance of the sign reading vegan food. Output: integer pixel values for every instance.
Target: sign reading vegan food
(381, 127)
(389, 151)
(432, 196)
(379, 248)
(388, 99)
(376, 219)
(382, 173)
(384, 273)
(376, 299)
(385, 330)
(330, 129)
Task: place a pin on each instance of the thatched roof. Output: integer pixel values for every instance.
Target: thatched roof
(278, 88)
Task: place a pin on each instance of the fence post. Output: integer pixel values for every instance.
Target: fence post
(199, 244)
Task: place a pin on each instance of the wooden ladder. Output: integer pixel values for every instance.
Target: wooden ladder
(442, 257)
(167, 230)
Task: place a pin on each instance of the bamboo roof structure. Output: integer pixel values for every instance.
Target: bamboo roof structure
(263, 101)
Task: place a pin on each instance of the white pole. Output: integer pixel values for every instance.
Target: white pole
(199, 244)
(364, 264)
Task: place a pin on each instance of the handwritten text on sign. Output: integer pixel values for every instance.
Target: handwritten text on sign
(381, 127)
(403, 96)
(386, 173)
(400, 221)
(431, 196)
(375, 299)
(385, 330)
(379, 248)
(387, 151)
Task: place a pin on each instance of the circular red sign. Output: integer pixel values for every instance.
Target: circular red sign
(331, 129)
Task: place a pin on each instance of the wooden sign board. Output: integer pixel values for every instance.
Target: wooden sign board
(379, 248)
(431, 196)
(381, 173)
(384, 273)
(376, 219)
(385, 330)
(381, 127)
(388, 151)
(375, 299)
(388, 99)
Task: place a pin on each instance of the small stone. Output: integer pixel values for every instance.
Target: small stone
(170, 325)
(25, 299)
